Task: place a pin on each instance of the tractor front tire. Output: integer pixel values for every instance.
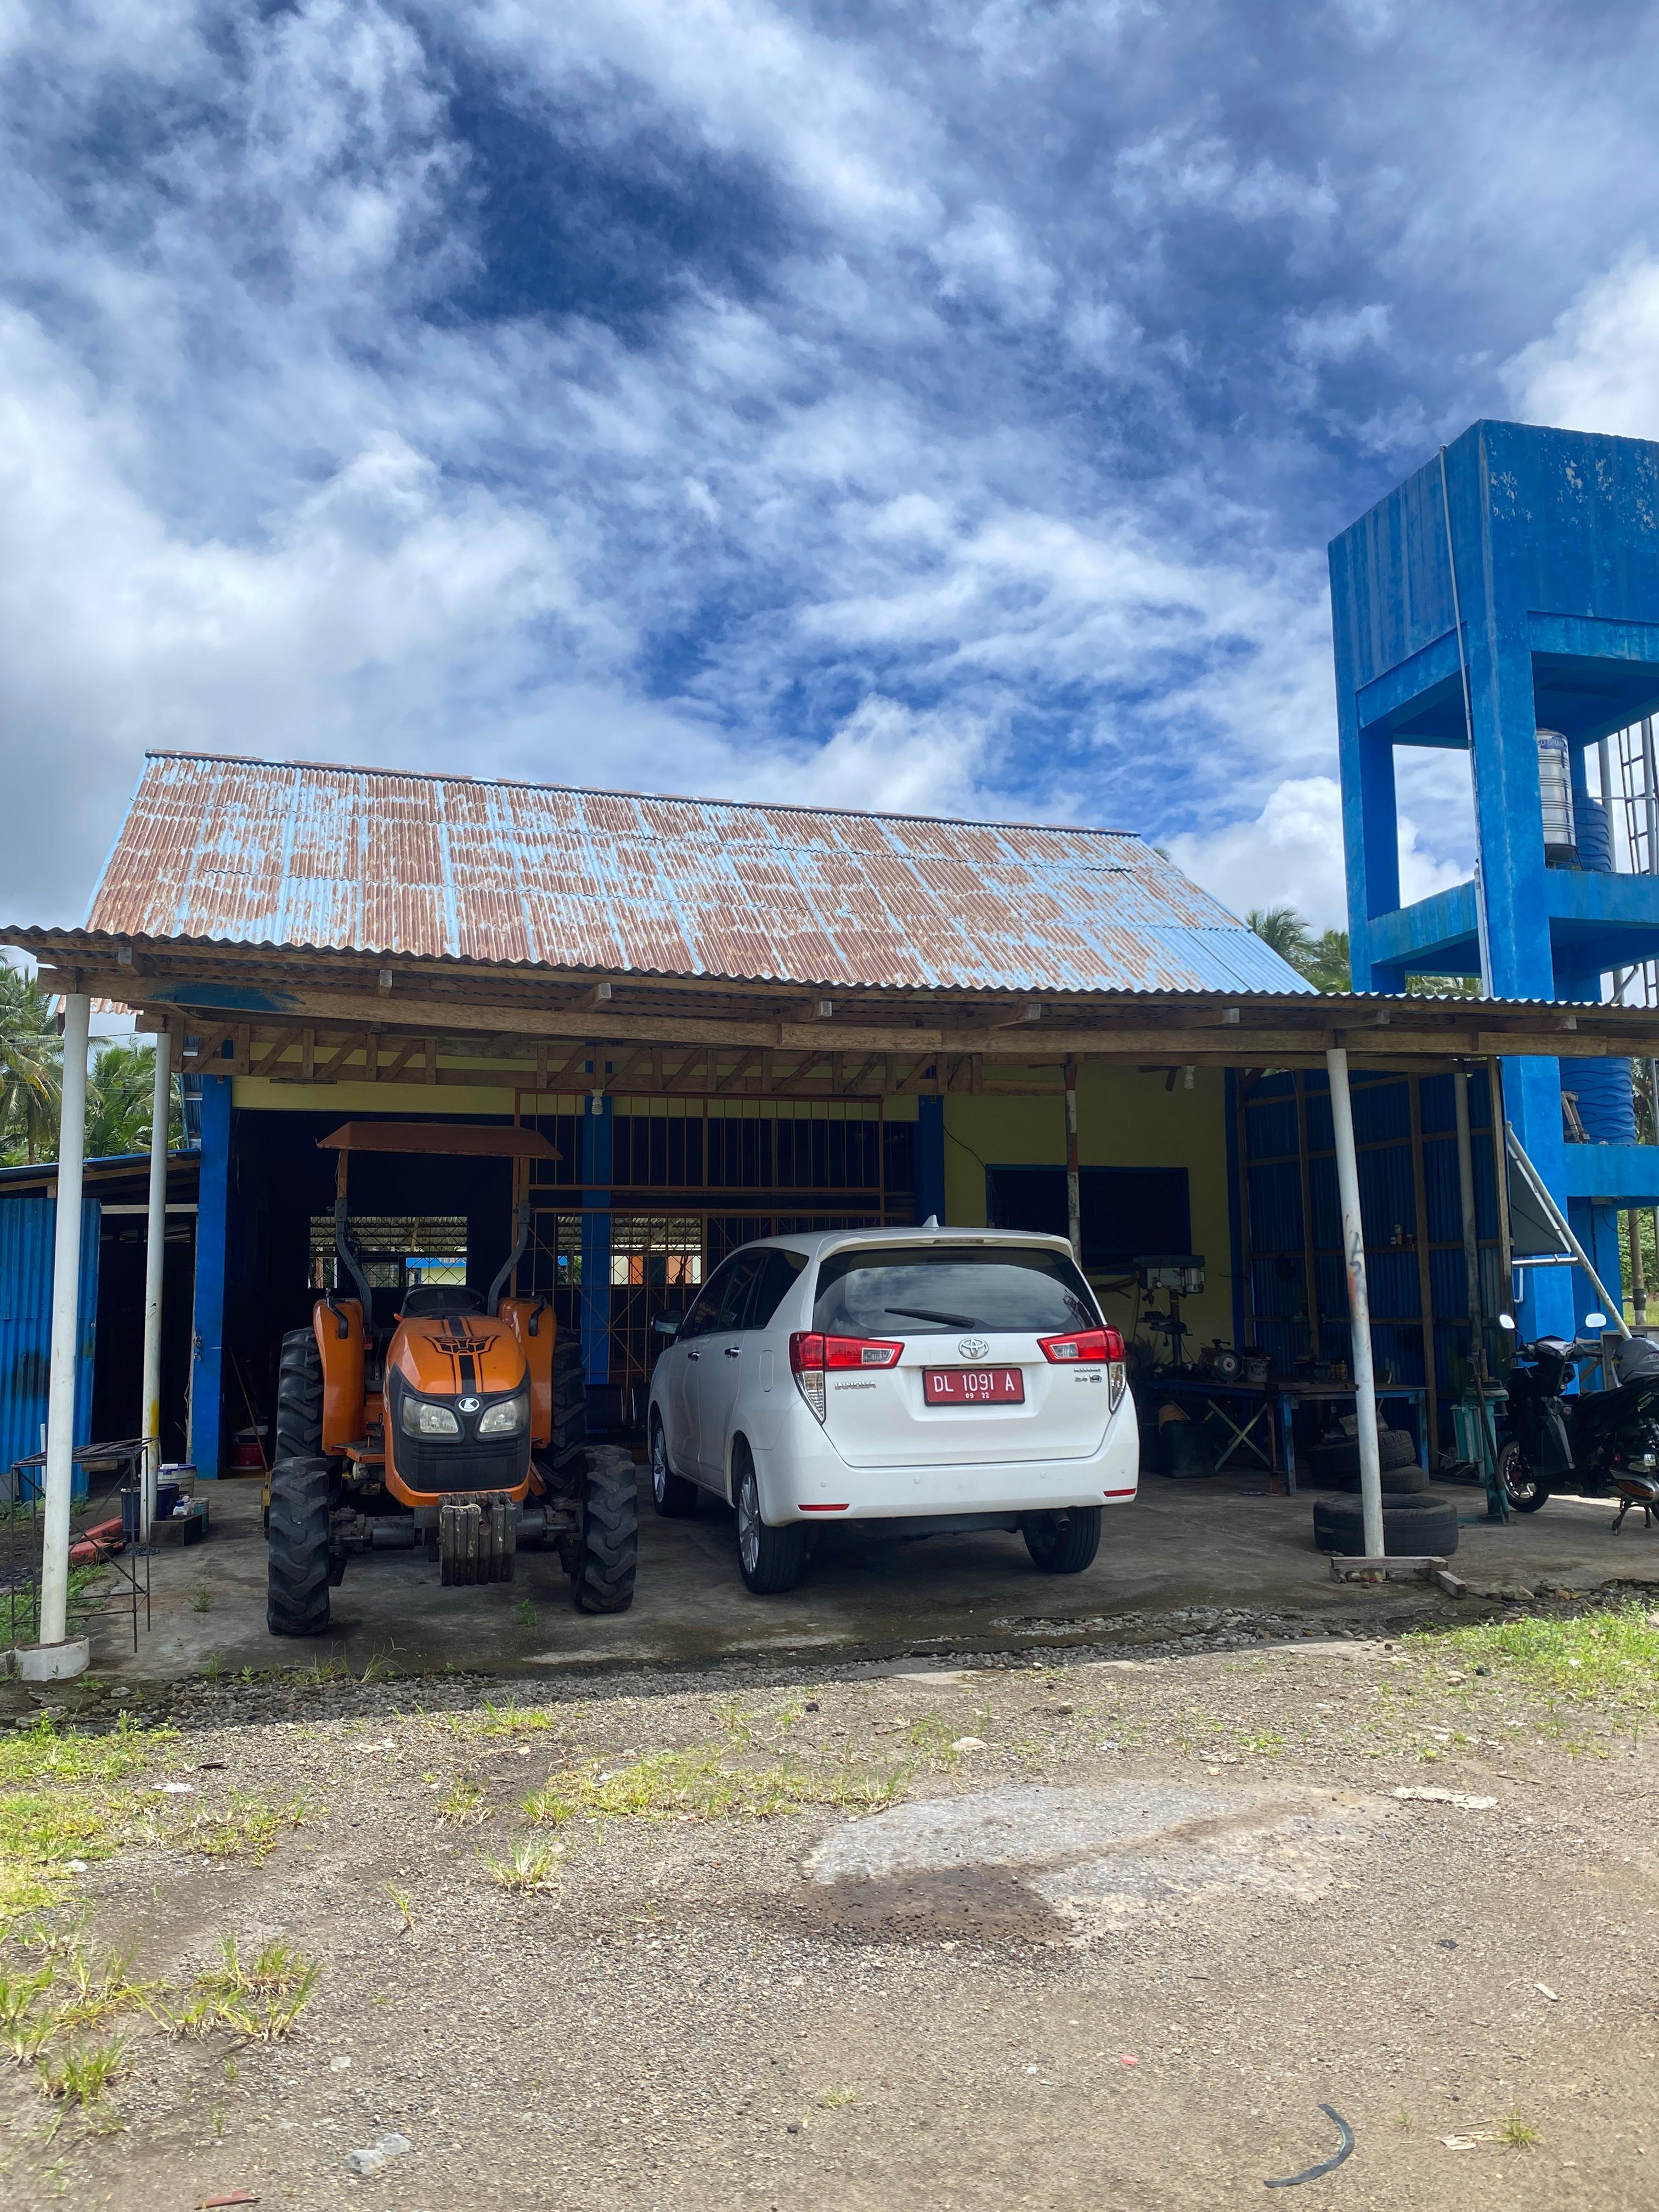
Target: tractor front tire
(608, 1553)
(299, 1398)
(296, 1601)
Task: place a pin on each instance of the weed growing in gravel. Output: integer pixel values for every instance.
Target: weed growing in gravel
(832, 2100)
(405, 1904)
(42, 1753)
(89, 1994)
(212, 1667)
(259, 1998)
(511, 1719)
(530, 1868)
(463, 1804)
(382, 1667)
(240, 1824)
(77, 2076)
(26, 2022)
(524, 1614)
(201, 1597)
(702, 1784)
(1515, 2131)
(1610, 1656)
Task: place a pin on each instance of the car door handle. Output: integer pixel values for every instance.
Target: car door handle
(693, 1355)
(734, 1351)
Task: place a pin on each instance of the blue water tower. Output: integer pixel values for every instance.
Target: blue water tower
(1503, 602)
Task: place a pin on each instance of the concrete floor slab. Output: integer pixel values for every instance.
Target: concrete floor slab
(1180, 1560)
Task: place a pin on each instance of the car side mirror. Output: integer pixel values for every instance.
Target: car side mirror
(1507, 1321)
(667, 1325)
(1595, 1321)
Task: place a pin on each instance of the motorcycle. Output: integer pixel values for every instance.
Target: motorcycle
(1601, 1442)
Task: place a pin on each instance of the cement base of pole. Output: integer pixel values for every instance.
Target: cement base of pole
(53, 1662)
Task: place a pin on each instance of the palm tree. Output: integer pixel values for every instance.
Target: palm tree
(1283, 928)
(30, 1067)
(118, 1096)
(1328, 964)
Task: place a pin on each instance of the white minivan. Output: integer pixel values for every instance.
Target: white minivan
(933, 1380)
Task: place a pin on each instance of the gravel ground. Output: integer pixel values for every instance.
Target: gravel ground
(1125, 1925)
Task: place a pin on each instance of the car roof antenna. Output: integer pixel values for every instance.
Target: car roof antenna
(932, 1222)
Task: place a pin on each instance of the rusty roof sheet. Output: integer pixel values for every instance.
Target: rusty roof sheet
(304, 855)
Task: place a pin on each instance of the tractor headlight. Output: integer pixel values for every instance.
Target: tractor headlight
(507, 1418)
(420, 1418)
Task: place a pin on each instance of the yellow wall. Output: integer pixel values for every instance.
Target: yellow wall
(1125, 1119)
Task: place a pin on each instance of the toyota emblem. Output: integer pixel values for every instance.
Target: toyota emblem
(469, 1404)
(973, 1347)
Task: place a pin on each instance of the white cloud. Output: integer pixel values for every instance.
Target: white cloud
(1291, 855)
(1599, 368)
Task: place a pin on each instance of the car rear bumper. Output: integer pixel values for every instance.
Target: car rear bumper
(803, 1479)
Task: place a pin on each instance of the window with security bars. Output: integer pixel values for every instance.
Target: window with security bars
(396, 1249)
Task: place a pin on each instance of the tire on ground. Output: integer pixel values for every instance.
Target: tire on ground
(1411, 1527)
(1062, 1543)
(602, 1579)
(296, 1599)
(1397, 1481)
(570, 1402)
(298, 1397)
(674, 1497)
(1333, 1464)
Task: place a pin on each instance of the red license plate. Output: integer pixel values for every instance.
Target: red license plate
(973, 1386)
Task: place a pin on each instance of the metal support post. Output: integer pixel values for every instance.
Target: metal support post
(154, 1259)
(1639, 1281)
(65, 1324)
(1360, 1311)
(1497, 1504)
(1074, 1197)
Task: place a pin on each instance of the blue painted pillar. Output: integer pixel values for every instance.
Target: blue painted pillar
(1596, 1228)
(212, 1249)
(930, 1158)
(1370, 836)
(598, 1130)
(1532, 1104)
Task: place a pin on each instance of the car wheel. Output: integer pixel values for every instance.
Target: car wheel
(769, 1559)
(1525, 1492)
(1062, 1543)
(674, 1497)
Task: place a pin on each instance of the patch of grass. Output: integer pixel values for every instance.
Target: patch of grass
(201, 1597)
(88, 1996)
(463, 1805)
(261, 1998)
(405, 1904)
(705, 1783)
(1609, 1655)
(241, 1824)
(43, 1753)
(1515, 2131)
(325, 1670)
(524, 1614)
(512, 1719)
(212, 1667)
(40, 1831)
(382, 1667)
(78, 2076)
(832, 2100)
(26, 2020)
(532, 1868)
(1265, 1744)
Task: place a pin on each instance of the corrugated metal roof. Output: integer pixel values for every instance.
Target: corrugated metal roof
(296, 854)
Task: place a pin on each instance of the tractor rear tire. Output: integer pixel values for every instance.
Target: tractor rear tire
(602, 1578)
(299, 1398)
(296, 1602)
(570, 1437)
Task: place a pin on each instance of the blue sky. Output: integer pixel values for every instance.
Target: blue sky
(941, 407)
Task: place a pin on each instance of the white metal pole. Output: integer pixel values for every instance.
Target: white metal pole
(155, 1256)
(65, 1320)
(1360, 1311)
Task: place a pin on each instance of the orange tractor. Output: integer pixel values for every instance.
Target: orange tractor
(463, 1427)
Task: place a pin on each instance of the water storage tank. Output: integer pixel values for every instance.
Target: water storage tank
(1555, 795)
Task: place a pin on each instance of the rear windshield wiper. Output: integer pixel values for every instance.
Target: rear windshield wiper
(927, 1313)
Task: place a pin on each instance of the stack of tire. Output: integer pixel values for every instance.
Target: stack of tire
(1417, 1522)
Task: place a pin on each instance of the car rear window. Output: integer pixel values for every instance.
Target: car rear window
(931, 1290)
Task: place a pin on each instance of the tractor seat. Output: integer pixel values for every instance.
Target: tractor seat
(434, 1300)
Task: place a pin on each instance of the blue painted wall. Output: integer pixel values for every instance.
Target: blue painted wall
(212, 1249)
(28, 1229)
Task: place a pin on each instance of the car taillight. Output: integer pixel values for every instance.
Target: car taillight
(1090, 1347)
(809, 1354)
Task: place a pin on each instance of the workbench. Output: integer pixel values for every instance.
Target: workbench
(1274, 1404)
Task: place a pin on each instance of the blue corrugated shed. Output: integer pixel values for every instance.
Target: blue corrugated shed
(28, 1226)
